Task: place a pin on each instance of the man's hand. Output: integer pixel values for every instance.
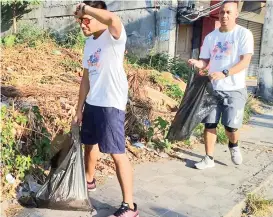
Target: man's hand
(77, 119)
(193, 62)
(200, 64)
(79, 10)
(217, 76)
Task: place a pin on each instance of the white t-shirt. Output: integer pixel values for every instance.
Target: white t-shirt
(103, 57)
(224, 50)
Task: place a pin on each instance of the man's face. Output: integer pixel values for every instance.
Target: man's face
(88, 25)
(228, 14)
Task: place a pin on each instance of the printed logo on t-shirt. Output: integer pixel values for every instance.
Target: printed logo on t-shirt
(93, 62)
(222, 51)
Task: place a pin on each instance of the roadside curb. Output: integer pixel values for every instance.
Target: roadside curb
(254, 184)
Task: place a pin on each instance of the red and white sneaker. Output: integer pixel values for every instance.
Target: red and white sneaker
(91, 186)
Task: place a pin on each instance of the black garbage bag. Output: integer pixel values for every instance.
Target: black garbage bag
(65, 187)
(198, 101)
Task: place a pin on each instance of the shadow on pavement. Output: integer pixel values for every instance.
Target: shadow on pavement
(162, 212)
(190, 163)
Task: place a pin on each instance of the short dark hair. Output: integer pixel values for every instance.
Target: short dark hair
(96, 4)
(231, 1)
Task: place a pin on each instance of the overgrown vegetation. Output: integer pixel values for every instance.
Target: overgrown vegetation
(170, 89)
(258, 206)
(72, 39)
(249, 110)
(162, 62)
(157, 132)
(25, 142)
(32, 35)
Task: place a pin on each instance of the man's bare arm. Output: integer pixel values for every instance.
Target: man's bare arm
(200, 64)
(84, 89)
(241, 65)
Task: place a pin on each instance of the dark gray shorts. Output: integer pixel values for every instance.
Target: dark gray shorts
(231, 110)
(104, 126)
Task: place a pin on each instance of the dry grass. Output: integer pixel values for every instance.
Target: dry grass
(46, 76)
(258, 206)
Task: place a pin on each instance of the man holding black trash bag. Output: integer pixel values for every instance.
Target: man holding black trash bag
(103, 97)
(226, 52)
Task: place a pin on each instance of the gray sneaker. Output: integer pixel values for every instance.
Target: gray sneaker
(206, 162)
(236, 155)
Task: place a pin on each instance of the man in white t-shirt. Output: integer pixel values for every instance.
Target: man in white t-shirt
(226, 52)
(103, 97)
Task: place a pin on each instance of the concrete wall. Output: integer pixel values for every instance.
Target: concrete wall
(266, 59)
(150, 25)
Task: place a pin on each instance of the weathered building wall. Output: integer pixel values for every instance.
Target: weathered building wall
(150, 25)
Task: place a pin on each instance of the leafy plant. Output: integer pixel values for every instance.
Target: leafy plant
(71, 39)
(9, 40)
(174, 91)
(22, 148)
(162, 125)
(163, 145)
(248, 110)
(12, 160)
(159, 129)
(180, 68)
(30, 34)
(171, 90)
(162, 62)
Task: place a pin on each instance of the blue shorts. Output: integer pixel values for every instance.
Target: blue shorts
(104, 126)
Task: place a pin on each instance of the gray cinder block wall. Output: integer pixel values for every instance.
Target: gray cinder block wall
(150, 25)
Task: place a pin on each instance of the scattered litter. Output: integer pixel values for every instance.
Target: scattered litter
(138, 145)
(10, 179)
(56, 52)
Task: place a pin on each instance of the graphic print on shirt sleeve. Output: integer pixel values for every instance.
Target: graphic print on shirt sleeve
(222, 51)
(93, 61)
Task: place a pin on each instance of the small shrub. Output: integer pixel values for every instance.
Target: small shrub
(171, 90)
(162, 62)
(180, 68)
(71, 39)
(174, 91)
(9, 40)
(248, 110)
(30, 34)
(159, 129)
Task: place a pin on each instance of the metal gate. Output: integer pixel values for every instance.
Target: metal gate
(256, 29)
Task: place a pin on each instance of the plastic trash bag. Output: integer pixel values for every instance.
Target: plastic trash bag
(198, 101)
(65, 187)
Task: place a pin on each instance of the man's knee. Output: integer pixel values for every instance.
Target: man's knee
(91, 148)
(209, 126)
(230, 129)
(119, 157)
